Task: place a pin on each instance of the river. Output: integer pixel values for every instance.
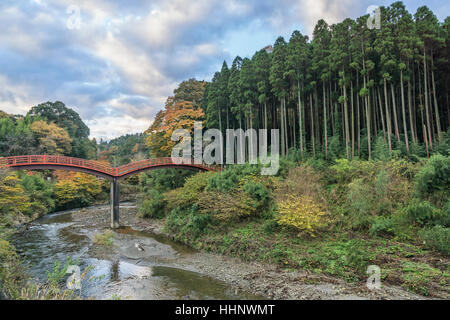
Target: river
(127, 272)
(165, 269)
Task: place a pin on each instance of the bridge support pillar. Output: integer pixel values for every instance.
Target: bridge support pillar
(115, 200)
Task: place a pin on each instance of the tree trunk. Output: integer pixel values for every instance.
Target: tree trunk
(312, 125)
(352, 121)
(368, 127)
(388, 118)
(405, 129)
(300, 126)
(346, 126)
(426, 140)
(358, 129)
(316, 114)
(381, 113)
(265, 115)
(427, 113)
(228, 120)
(411, 120)
(285, 126)
(294, 134)
(220, 128)
(436, 109)
(325, 133)
(282, 128)
(367, 107)
(331, 108)
(394, 111)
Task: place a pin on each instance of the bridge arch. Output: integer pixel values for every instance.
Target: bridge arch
(36, 162)
(113, 174)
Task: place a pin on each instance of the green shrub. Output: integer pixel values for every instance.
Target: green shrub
(188, 224)
(437, 238)
(360, 203)
(189, 194)
(358, 255)
(380, 149)
(153, 207)
(317, 164)
(382, 226)
(258, 194)
(417, 151)
(194, 186)
(434, 177)
(228, 206)
(446, 214)
(444, 147)
(229, 178)
(345, 171)
(163, 179)
(381, 192)
(286, 164)
(335, 148)
(197, 222)
(424, 213)
(236, 193)
(270, 226)
(40, 192)
(175, 220)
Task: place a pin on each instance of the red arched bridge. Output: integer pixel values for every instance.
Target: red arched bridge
(114, 174)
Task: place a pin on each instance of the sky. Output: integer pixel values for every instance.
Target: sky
(116, 62)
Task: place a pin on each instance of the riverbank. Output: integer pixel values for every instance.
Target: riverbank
(265, 280)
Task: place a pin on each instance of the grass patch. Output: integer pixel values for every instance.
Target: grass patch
(104, 239)
(418, 277)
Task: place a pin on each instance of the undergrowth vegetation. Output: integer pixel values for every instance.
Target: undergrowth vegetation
(104, 238)
(335, 218)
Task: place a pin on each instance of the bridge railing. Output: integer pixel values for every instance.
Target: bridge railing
(96, 166)
(56, 160)
(134, 166)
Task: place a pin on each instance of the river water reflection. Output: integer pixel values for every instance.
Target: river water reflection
(131, 276)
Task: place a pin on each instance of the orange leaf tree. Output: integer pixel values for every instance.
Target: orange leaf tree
(180, 112)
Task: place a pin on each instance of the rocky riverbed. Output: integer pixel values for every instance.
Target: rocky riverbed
(256, 280)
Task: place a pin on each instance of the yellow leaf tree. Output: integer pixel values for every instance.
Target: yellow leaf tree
(51, 138)
(78, 190)
(13, 199)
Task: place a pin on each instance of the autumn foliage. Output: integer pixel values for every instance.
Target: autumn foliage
(79, 190)
(52, 139)
(178, 114)
(302, 213)
(301, 206)
(13, 200)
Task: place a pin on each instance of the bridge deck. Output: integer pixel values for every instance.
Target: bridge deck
(92, 166)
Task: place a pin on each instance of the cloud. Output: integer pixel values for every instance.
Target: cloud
(332, 11)
(118, 68)
(112, 127)
(16, 98)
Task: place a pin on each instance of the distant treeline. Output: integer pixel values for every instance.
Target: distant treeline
(48, 128)
(123, 149)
